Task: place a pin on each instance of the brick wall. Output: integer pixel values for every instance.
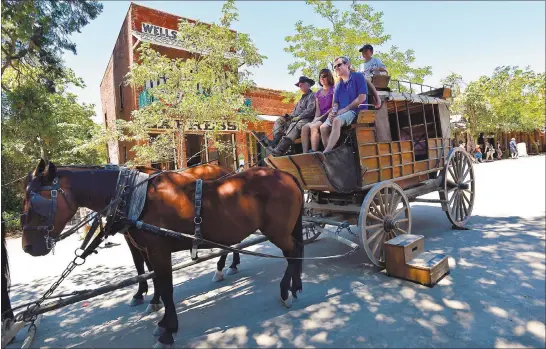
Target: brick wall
(265, 101)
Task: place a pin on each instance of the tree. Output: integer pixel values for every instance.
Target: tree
(35, 33)
(315, 48)
(40, 118)
(206, 87)
(512, 99)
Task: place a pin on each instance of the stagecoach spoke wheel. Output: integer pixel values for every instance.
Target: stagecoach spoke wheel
(310, 234)
(385, 214)
(458, 187)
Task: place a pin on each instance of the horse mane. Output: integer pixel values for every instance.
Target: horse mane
(80, 178)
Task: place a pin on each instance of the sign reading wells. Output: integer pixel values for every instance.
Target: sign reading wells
(158, 31)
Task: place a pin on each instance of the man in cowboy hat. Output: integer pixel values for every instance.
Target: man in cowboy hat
(288, 128)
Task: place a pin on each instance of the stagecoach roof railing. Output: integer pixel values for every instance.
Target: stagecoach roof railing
(398, 84)
(411, 97)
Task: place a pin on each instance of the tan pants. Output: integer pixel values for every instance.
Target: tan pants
(289, 129)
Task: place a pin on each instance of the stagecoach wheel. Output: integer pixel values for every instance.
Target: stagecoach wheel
(384, 214)
(458, 187)
(310, 234)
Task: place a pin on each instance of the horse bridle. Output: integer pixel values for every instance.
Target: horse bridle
(46, 208)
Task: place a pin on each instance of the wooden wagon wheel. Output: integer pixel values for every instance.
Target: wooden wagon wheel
(458, 187)
(385, 214)
(310, 234)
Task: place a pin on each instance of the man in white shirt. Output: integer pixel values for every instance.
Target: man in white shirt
(371, 65)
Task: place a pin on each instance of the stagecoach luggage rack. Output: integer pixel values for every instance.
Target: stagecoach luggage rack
(406, 258)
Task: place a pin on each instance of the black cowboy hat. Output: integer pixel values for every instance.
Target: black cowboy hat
(311, 82)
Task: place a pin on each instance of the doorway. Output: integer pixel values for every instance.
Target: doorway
(194, 145)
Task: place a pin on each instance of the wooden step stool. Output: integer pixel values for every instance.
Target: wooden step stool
(405, 258)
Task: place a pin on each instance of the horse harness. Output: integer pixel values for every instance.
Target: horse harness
(46, 208)
(125, 207)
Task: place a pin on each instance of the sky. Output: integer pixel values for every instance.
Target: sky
(469, 38)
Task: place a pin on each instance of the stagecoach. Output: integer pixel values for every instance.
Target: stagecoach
(386, 159)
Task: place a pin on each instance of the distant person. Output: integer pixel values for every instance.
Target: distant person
(371, 65)
(499, 151)
(477, 154)
(514, 148)
(489, 151)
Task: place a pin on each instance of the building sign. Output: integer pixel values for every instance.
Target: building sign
(158, 31)
(209, 126)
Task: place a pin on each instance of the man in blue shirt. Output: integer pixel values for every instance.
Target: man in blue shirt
(349, 93)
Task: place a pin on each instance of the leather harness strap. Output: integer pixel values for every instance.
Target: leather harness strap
(197, 220)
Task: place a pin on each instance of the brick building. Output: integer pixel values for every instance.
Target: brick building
(143, 24)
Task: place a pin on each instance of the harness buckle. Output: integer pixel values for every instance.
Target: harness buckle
(54, 193)
(197, 220)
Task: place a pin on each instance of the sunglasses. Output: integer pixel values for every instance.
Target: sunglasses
(323, 76)
(338, 65)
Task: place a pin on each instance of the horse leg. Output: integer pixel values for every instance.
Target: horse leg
(233, 267)
(138, 259)
(291, 246)
(155, 304)
(219, 273)
(164, 280)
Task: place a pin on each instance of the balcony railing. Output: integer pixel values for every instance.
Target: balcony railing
(145, 99)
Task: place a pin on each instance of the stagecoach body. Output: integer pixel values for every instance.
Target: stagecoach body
(386, 159)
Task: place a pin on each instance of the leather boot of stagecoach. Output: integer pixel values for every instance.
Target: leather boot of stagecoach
(282, 148)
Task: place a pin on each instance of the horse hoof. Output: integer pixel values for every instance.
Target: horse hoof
(218, 276)
(136, 301)
(152, 308)
(160, 345)
(232, 271)
(158, 331)
(288, 302)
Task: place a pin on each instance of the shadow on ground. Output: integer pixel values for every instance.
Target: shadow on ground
(494, 297)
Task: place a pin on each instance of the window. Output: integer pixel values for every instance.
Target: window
(121, 96)
(105, 121)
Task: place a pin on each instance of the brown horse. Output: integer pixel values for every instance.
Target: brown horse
(232, 208)
(204, 172)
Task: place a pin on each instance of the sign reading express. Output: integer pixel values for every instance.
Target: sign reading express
(209, 126)
(158, 31)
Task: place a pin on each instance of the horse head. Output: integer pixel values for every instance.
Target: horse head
(48, 206)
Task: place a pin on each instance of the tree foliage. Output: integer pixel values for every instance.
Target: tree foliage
(35, 33)
(315, 48)
(208, 86)
(511, 99)
(40, 118)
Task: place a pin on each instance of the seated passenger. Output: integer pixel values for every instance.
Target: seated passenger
(323, 103)
(288, 128)
(371, 65)
(478, 154)
(349, 93)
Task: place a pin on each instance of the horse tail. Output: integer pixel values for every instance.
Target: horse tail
(6, 280)
(7, 312)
